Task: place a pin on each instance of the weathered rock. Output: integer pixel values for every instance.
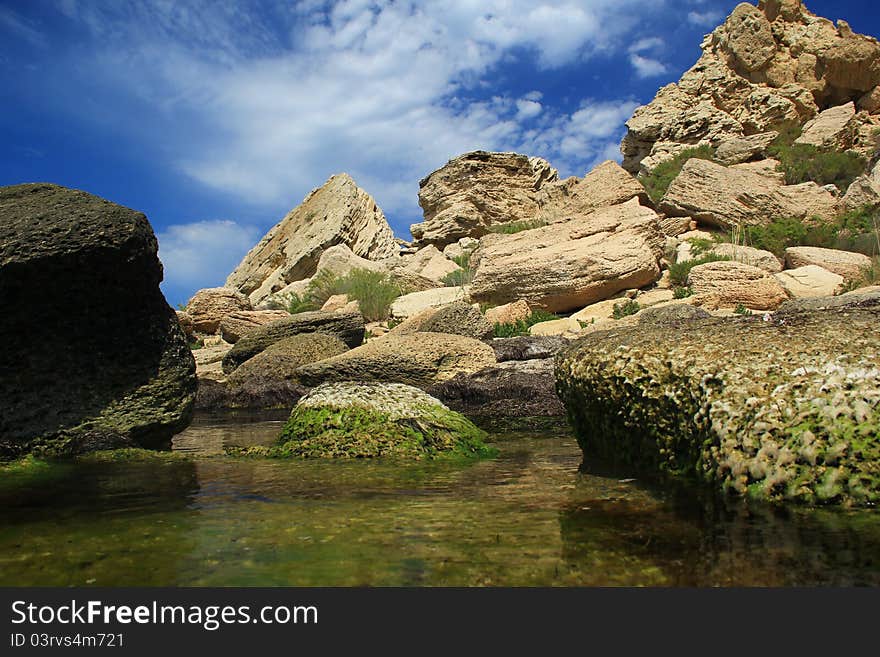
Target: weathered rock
(864, 298)
(209, 361)
(96, 359)
(743, 149)
(833, 128)
(457, 318)
(417, 302)
(672, 315)
(749, 256)
(562, 326)
(810, 281)
(606, 185)
(509, 389)
(527, 347)
(686, 250)
(727, 197)
(347, 326)
(429, 263)
(419, 359)
(844, 263)
(566, 267)
(186, 323)
(509, 313)
(863, 191)
(336, 302)
(339, 212)
(781, 410)
(209, 306)
(749, 38)
(475, 190)
(729, 284)
(236, 325)
(367, 420)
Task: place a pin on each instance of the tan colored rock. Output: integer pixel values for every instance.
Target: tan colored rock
(458, 318)
(685, 247)
(509, 313)
(810, 281)
(749, 38)
(833, 128)
(768, 168)
(727, 197)
(595, 312)
(852, 61)
(335, 302)
(870, 102)
(568, 266)
(843, 263)
(209, 361)
(186, 323)
(788, 10)
(476, 190)
(657, 296)
(416, 302)
(861, 192)
(728, 284)
(238, 324)
(429, 263)
(461, 247)
(339, 212)
(418, 359)
(606, 185)
(742, 149)
(556, 327)
(749, 256)
(210, 305)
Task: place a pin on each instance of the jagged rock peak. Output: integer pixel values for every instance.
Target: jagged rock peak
(767, 65)
(338, 212)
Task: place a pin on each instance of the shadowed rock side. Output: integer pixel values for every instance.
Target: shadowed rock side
(93, 357)
(786, 408)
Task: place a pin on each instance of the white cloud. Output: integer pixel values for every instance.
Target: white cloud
(527, 109)
(203, 253)
(647, 67)
(646, 44)
(710, 18)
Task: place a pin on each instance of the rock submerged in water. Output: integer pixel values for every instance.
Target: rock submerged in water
(96, 359)
(367, 420)
(784, 409)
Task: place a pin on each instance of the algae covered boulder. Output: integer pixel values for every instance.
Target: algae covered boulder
(92, 357)
(785, 407)
(365, 420)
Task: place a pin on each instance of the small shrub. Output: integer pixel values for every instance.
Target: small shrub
(625, 309)
(741, 310)
(323, 285)
(682, 292)
(522, 326)
(780, 234)
(513, 227)
(374, 291)
(678, 273)
(461, 276)
(658, 181)
(196, 344)
(700, 245)
(804, 162)
(297, 304)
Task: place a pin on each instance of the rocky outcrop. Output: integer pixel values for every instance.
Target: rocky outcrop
(457, 318)
(418, 359)
(429, 263)
(186, 323)
(234, 326)
(728, 196)
(809, 281)
(764, 67)
(749, 256)
(606, 185)
(737, 150)
(417, 302)
(843, 263)
(92, 357)
(568, 266)
(347, 326)
(339, 212)
(833, 128)
(476, 190)
(509, 313)
(208, 307)
(279, 361)
(370, 420)
(783, 409)
(527, 347)
(729, 284)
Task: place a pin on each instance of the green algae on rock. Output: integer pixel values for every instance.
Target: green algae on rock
(365, 420)
(781, 407)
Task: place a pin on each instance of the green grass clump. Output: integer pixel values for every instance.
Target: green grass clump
(658, 181)
(513, 227)
(780, 234)
(682, 292)
(741, 310)
(299, 304)
(625, 309)
(678, 273)
(374, 291)
(461, 276)
(522, 326)
(802, 163)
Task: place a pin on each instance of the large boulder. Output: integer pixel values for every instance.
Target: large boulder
(568, 266)
(749, 256)
(281, 359)
(339, 212)
(832, 128)
(93, 357)
(347, 326)
(809, 281)
(208, 307)
(850, 265)
(527, 347)
(419, 359)
(728, 284)
(414, 303)
(729, 196)
(234, 326)
(606, 185)
(429, 263)
(368, 420)
(457, 318)
(784, 409)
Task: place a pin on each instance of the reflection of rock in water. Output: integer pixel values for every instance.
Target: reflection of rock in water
(720, 543)
(210, 434)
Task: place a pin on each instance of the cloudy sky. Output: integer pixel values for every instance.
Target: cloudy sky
(215, 118)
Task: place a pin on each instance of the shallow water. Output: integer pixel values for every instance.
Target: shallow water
(528, 517)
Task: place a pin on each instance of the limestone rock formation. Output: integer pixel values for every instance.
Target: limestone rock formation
(566, 267)
(209, 306)
(809, 281)
(727, 284)
(417, 302)
(457, 318)
(749, 256)
(527, 347)
(509, 313)
(234, 326)
(786, 409)
(339, 212)
(844, 263)
(280, 360)
(764, 67)
(606, 185)
(429, 263)
(92, 356)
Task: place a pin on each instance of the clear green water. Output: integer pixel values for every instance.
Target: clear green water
(528, 517)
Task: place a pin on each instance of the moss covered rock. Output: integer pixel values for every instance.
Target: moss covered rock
(364, 420)
(782, 408)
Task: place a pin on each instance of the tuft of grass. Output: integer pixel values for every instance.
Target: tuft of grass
(297, 304)
(780, 234)
(678, 273)
(461, 276)
(700, 245)
(522, 326)
(625, 309)
(741, 310)
(374, 291)
(682, 292)
(658, 181)
(803, 162)
(513, 227)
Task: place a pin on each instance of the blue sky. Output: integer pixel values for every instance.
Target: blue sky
(215, 118)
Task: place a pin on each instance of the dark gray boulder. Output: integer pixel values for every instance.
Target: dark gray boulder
(93, 357)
